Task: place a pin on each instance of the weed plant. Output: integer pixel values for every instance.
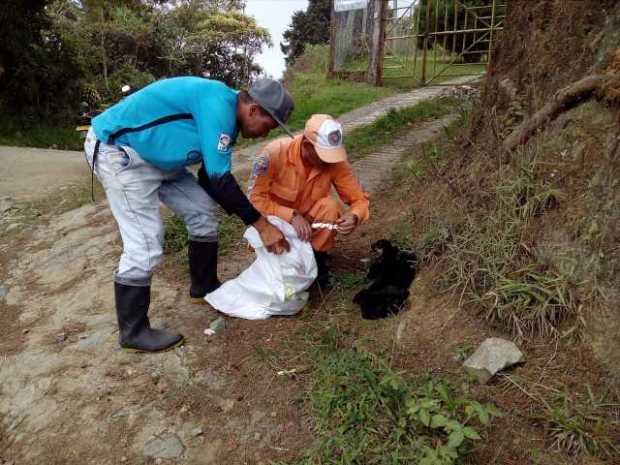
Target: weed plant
(366, 413)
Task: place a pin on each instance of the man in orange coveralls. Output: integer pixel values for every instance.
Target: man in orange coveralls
(293, 179)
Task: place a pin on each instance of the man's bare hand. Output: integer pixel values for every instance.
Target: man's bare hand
(273, 239)
(302, 227)
(347, 223)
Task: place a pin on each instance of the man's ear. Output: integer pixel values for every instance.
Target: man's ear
(253, 110)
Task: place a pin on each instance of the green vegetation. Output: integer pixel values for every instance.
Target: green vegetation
(308, 27)
(404, 71)
(313, 92)
(351, 280)
(175, 235)
(55, 54)
(39, 134)
(382, 131)
(364, 412)
(579, 425)
(508, 278)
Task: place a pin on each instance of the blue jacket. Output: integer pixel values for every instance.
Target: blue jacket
(180, 121)
(175, 122)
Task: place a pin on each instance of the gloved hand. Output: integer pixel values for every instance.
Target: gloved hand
(302, 227)
(272, 237)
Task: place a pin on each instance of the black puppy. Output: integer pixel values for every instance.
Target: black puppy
(391, 274)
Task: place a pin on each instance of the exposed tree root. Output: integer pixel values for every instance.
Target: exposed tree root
(565, 99)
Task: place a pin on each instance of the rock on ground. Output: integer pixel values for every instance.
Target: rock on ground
(493, 355)
(166, 446)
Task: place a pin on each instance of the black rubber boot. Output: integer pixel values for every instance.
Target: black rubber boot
(324, 278)
(132, 307)
(202, 269)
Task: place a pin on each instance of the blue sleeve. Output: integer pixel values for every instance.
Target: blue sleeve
(216, 126)
(215, 133)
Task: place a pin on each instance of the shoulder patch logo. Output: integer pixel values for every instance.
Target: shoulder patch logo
(224, 143)
(259, 168)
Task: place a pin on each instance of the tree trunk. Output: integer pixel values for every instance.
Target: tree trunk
(375, 63)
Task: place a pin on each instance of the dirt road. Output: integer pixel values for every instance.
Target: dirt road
(31, 174)
(68, 394)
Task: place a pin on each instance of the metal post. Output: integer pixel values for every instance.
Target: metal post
(435, 36)
(464, 33)
(425, 50)
(456, 18)
(415, 41)
(491, 34)
(331, 69)
(445, 28)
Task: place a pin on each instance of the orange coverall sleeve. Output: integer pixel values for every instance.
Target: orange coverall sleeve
(351, 191)
(263, 172)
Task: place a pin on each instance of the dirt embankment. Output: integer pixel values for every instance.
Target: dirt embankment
(548, 45)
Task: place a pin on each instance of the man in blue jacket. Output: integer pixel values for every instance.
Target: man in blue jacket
(139, 150)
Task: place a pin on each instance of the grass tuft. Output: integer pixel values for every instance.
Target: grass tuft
(494, 261)
(578, 427)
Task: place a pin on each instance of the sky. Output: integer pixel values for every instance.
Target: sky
(275, 16)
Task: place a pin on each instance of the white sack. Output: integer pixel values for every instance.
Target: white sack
(273, 284)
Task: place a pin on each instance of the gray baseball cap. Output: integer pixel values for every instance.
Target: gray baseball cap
(274, 99)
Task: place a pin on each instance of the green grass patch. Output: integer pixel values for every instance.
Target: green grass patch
(366, 413)
(404, 71)
(351, 280)
(363, 139)
(176, 240)
(39, 134)
(313, 92)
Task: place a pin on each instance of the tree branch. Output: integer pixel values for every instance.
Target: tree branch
(563, 100)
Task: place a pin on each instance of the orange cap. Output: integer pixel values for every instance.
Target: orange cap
(326, 135)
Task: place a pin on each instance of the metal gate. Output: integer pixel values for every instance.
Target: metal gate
(432, 41)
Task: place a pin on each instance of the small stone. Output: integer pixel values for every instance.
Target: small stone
(6, 203)
(493, 355)
(89, 342)
(274, 414)
(257, 436)
(123, 459)
(227, 405)
(25, 331)
(162, 386)
(61, 337)
(218, 325)
(166, 446)
(197, 432)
